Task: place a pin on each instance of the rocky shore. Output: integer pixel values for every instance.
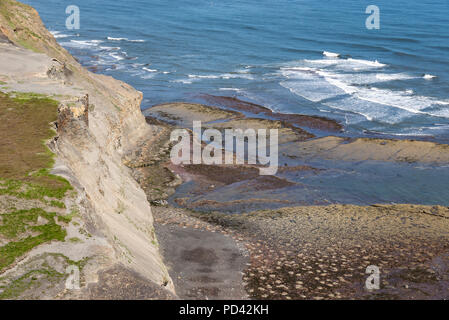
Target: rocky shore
(297, 252)
(102, 196)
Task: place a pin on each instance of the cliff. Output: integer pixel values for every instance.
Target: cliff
(98, 124)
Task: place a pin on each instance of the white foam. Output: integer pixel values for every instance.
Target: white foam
(287, 69)
(394, 76)
(236, 76)
(347, 77)
(194, 76)
(440, 112)
(124, 39)
(59, 35)
(372, 78)
(312, 90)
(230, 89)
(349, 65)
(375, 63)
(429, 76)
(116, 56)
(117, 39)
(335, 86)
(224, 76)
(330, 54)
(397, 99)
(438, 126)
(416, 133)
(335, 81)
(184, 81)
(82, 43)
(149, 70)
(370, 110)
(367, 116)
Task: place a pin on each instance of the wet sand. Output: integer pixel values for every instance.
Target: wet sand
(204, 261)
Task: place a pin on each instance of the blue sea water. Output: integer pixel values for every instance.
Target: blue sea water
(393, 81)
(293, 56)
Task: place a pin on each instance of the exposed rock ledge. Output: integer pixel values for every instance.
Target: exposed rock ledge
(99, 123)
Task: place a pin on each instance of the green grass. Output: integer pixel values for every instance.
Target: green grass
(64, 219)
(26, 96)
(25, 160)
(14, 14)
(37, 189)
(25, 163)
(33, 279)
(4, 11)
(20, 228)
(75, 240)
(68, 217)
(29, 280)
(57, 204)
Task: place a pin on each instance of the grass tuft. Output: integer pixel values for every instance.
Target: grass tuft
(24, 233)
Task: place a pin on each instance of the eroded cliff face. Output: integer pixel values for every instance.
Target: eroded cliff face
(99, 123)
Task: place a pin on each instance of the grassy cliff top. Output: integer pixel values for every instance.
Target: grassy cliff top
(25, 160)
(21, 24)
(25, 163)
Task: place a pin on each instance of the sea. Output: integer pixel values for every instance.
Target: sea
(293, 56)
(381, 72)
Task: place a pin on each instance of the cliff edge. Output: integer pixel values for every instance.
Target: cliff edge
(106, 218)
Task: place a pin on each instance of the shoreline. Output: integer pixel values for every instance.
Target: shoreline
(277, 246)
(302, 252)
(304, 161)
(315, 124)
